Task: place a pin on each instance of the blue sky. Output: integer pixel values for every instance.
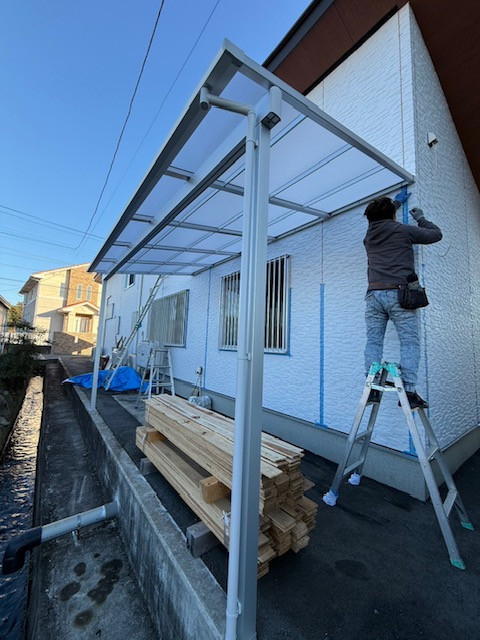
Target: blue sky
(67, 73)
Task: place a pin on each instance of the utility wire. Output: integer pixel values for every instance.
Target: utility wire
(14, 252)
(17, 213)
(125, 122)
(34, 240)
(160, 107)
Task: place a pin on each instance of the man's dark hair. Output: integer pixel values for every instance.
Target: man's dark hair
(380, 209)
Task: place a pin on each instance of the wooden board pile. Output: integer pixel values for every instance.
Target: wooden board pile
(193, 449)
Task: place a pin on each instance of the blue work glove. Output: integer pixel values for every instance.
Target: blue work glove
(416, 213)
(401, 197)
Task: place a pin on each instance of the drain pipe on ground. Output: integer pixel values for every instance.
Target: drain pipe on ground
(14, 556)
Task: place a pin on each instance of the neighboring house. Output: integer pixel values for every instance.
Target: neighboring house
(4, 307)
(62, 304)
(389, 76)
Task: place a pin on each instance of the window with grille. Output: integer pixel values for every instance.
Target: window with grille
(89, 292)
(79, 291)
(276, 307)
(167, 320)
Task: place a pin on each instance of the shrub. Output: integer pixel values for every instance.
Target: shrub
(17, 363)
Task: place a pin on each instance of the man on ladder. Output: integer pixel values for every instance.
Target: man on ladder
(389, 246)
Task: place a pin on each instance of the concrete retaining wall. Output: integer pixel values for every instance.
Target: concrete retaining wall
(184, 600)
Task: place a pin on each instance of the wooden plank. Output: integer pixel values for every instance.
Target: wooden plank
(198, 438)
(185, 479)
(281, 520)
(212, 489)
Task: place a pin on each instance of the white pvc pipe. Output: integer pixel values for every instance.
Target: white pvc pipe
(79, 520)
(98, 346)
(244, 328)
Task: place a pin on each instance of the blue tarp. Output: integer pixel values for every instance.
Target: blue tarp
(126, 379)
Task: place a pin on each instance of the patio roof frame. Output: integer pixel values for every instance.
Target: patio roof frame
(229, 61)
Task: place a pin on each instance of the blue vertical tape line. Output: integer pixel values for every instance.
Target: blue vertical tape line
(206, 330)
(322, 356)
(289, 327)
(402, 197)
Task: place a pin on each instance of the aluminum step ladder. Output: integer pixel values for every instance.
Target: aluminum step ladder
(377, 379)
(160, 375)
(122, 352)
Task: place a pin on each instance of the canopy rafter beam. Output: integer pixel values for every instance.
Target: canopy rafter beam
(183, 174)
(215, 252)
(207, 229)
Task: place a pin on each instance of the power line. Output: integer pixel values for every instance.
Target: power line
(125, 122)
(37, 240)
(161, 107)
(16, 266)
(29, 255)
(56, 225)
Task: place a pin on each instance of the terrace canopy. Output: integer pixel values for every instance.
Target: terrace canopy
(250, 161)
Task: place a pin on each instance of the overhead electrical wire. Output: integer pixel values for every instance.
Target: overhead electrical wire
(124, 123)
(17, 213)
(32, 239)
(160, 107)
(14, 252)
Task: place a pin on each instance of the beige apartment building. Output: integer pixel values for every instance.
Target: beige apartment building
(62, 304)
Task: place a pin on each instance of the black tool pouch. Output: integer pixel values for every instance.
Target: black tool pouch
(412, 296)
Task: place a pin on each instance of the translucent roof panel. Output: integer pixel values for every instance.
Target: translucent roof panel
(187, 214)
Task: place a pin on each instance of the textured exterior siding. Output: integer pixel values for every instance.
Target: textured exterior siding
(387, 92)
(451, 269)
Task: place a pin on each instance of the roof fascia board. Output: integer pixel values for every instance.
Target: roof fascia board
(5, 303)
(299, 30)
(29, 285)
(219, 75)
(79, 304)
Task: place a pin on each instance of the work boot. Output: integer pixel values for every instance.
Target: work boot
(416, 402)
(374, 396)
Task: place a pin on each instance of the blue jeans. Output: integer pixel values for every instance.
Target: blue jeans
(382, 306)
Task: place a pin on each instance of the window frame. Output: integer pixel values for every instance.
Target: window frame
(79, 319)
(282, 310)
(79, 292)
(129, 276)
(89, 293)
(183, 328)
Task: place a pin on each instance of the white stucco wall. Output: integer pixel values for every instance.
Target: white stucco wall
(320, 379)
(451, 269)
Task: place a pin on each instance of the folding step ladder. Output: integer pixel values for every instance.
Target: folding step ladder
(160, 375)
(122, 352)
(379, 372)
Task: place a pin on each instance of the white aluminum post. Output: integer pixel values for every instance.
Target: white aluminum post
(242, 571)
(99, 346)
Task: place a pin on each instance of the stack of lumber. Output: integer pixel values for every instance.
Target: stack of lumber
(193, 449)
